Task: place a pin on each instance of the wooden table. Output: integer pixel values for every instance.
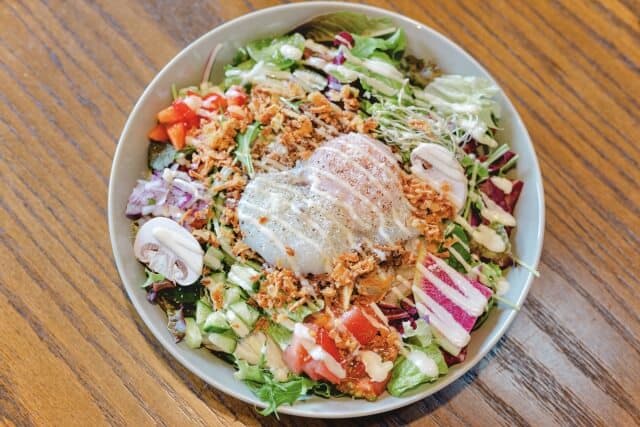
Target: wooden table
(74, 352)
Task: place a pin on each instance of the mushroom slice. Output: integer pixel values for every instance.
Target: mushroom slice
(169, 249)
(439, 168)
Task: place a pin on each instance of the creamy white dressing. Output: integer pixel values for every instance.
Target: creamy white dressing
(372, 180)
(503, 184)
(273, 238)
(494, 212)
(502, 286)
(322, 209)
(489, 238)
(289, 226)
(374, 366)
(316, 352)
(316, 47)
(379, 313)
(384, 69)
(374, 322)
(441, 320)
(346, 73)
(290, 52)
(350, 75)
(425, 364)
(486, 236)
(439, 168)
(461, 260)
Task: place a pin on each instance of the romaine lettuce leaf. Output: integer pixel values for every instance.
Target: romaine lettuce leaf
(406, 375)
(393, 46)
(324, 28)
(283, 51)
(270, 391)
(280, 334)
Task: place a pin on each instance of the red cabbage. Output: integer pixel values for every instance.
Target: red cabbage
(343, 38)
(505, 201)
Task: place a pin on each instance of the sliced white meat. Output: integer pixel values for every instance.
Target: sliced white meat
(348, 193)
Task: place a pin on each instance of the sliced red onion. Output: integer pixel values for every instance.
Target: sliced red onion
(170, 194)
(333, 83)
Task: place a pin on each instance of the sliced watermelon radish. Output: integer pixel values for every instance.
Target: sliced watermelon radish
(452, 301)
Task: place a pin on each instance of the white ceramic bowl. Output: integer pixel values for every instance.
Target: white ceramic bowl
(186, 68)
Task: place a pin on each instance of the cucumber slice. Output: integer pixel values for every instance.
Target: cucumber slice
(245, 312)
(222, 342)
(218, 277)
(244, 276)
(192, 336)
(239, 327)
(216, 322)
(202, 311)
(233, 294)
(213, 258)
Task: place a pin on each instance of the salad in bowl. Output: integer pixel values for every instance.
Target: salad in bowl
(333, 217)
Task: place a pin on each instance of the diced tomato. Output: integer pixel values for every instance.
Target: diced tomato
(236, 95)
(188, 116)
(367, 387)
(328, 344)
(359, 326)
(317, 370)
(295, 356)
(169, 115)
(214, 102)
(178, 112)
(177, 134)
(158, 133)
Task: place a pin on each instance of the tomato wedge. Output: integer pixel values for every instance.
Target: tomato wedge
(359, 326)
(295, 356)
(178, 112)
(236, 95)
(158, 133)
(214, 102)
(317, 370)
(177, 134)
(298, 360)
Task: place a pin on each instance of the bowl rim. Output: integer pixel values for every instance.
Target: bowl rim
(298, 408)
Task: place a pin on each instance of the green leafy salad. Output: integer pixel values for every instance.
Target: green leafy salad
(332, 217)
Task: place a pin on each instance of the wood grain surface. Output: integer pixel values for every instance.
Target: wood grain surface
(74, 352)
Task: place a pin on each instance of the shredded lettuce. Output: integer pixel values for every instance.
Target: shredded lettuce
(455, 94)
(152, 278)
(420, 335)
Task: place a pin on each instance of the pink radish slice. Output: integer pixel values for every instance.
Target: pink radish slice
(452, 301)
